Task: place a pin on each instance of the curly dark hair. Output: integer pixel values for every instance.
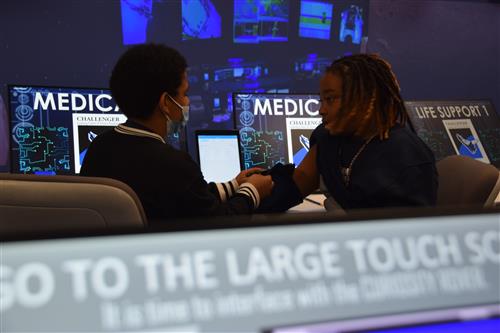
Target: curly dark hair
(142, 74)
(371, 101)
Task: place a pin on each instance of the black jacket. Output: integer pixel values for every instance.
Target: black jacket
(168, 182)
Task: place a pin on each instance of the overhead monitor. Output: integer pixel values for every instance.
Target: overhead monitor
(218, 154)
(275, 127)
(200, 20)
(260, 21)
(315, 19)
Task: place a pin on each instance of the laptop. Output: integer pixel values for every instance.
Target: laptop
(219, 154)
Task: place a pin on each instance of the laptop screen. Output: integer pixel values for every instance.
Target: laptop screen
(218, 154)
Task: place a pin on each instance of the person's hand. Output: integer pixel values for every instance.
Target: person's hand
(243, 176)
(263, 184)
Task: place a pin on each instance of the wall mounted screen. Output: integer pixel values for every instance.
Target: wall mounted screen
(52, 127)
(315, 19)
(275, 127)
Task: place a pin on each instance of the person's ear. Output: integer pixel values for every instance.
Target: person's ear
(163, 103)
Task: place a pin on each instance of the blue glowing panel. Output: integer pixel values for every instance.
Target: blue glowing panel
(136, 15)
(315, 19)
(351, 25)
(260, 21)
(200, 20)
(51, 128)
(275, 127)
(246, 21)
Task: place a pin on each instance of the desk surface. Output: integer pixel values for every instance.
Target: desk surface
(312, 203)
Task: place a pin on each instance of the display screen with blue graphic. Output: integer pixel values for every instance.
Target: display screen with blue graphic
(200, 20)
(51, 128)
(261, 21)
(351, 25)
(275, 128)
(136, 15)
(315, 19)
(468, 128)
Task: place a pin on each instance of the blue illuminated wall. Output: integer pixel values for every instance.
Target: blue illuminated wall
(439, 49)
(242, 46)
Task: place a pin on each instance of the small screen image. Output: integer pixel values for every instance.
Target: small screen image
(260, 21)
(200, 20)
(51, 127)
(136, 15)
(275, 128)
(351, 25)
(464, 139)
(315, 19)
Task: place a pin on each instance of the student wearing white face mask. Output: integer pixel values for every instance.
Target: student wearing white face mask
(149, 84)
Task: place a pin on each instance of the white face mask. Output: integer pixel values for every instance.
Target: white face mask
(174, 126)
(185, 111)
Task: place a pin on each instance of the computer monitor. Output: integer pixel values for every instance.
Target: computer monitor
(218, 154)
(275, 127)
(52, 127)
(458, 127)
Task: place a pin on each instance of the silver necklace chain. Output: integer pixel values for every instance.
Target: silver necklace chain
(346, 172)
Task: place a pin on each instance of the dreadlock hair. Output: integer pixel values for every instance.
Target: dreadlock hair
(371, 103)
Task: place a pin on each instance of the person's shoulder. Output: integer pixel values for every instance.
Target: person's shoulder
(406, 143)
(319, 135)
(103, 140)
(106, 135)
(174, 158)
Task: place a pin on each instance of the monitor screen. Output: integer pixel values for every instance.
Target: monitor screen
(275, 127)
(218, 154)
(52, 127)
(463, 127)
(260, 21)
(200, 20)
(315, 19)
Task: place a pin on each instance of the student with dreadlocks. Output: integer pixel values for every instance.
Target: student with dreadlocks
(364, 153)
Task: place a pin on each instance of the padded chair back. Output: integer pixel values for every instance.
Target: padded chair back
(466, 181)
(31, 203)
